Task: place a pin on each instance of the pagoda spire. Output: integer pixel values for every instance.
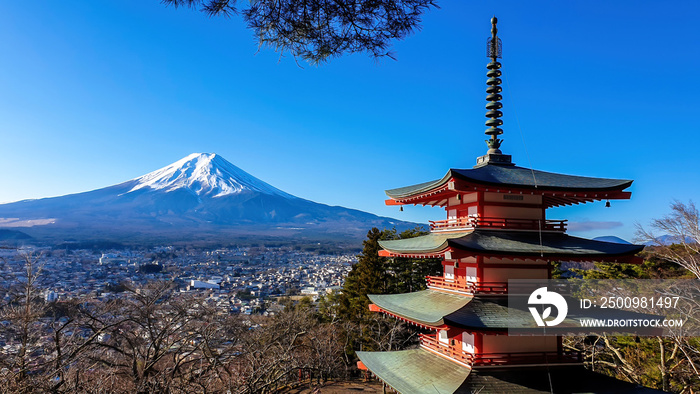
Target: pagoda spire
(494, 89)
(494, 51)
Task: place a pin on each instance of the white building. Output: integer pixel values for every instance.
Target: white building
(51, 296)
(198, 284)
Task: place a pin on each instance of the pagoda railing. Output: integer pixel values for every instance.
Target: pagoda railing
(514, 358)
(453, 352)
(471, 222)
(459, 285)
(440, 283)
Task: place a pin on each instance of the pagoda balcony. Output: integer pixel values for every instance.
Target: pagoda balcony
(460, 286)
(466, 287)
(456, 353)
(430, 343)
(472, 222)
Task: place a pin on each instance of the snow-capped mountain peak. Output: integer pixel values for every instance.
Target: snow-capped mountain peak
(204, 174)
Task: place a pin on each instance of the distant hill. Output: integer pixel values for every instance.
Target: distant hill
(202, 198)
(611, 238)
(668, 240)
(13, 235)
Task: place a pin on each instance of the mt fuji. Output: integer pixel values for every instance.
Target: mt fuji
(205, 174)
(201, 197)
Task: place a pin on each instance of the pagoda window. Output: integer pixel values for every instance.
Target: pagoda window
(468, 342)
(471, 274)
(450, 272)
(451, 214)
(442, 337)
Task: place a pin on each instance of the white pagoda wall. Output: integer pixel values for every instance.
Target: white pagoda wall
(493, 273)
(517, 344)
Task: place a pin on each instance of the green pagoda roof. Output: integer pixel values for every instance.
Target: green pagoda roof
(427, 307)
(543, 244)
(487, 313)
(514, 243)
(433, 242)
(564, 379)
(420, 371)
(415, 371)
(494, 314)
(435, 308)
(515, 177)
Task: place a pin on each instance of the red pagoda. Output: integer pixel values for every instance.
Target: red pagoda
(496, 229)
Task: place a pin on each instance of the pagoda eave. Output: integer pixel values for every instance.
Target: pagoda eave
(492, 315)
(460, 254)
(415, 371)
(557, 189)
(433, 245)
(431, 255)
(627, 259)
(565, 378)
(436, 326)
(425, 308)
(511, 244)
(551, 198)
(419, 370)
(435, 197)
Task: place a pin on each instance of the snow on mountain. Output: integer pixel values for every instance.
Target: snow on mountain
(205, 174)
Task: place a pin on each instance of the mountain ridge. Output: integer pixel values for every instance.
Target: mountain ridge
(613, 239)
(201, 196)
(204, 174)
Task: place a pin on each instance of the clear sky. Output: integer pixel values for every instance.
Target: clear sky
(93, 93)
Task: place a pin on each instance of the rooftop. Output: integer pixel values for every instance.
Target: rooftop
(415, 371)
(497, 314)
(516, 177)
(512, 243)
(420, 371)
(427, 307)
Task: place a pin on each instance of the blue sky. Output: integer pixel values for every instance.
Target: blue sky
(93, 93)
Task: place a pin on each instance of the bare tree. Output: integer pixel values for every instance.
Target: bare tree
(323, 352)
(680, 230)
(674, 238)
(317, 30)
(155, 339)
(270, 351)
(152, 340)
(387, 334)
(20, 313)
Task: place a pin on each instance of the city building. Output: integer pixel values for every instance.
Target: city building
(496, 229)
(198, 284)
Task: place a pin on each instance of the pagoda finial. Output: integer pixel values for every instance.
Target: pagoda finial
(494, 51)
